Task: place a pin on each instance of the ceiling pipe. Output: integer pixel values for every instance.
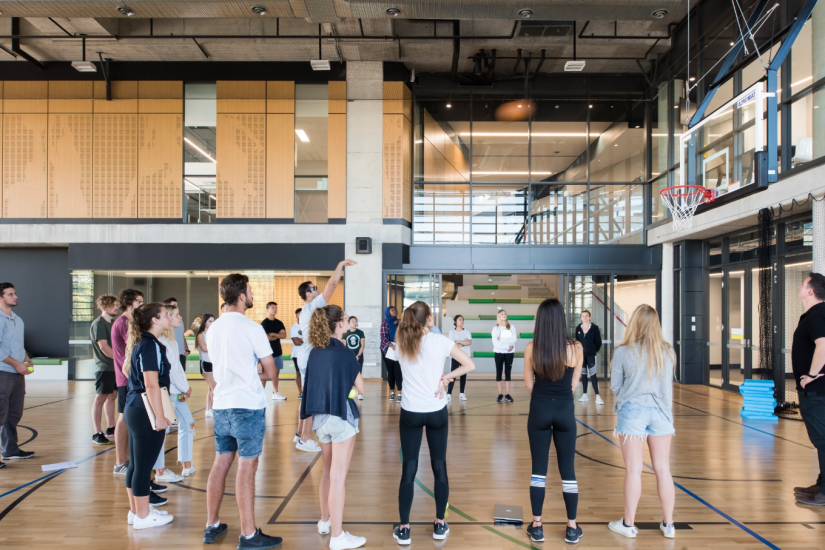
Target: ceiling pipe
(15, 44)
(518, 62)
(616, 36)
(541, 62)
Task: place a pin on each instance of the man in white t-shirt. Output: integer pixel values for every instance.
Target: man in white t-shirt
(236, 344)
(297, 338)
(313, 299)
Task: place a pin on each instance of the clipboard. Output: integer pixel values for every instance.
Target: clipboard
(168, 408)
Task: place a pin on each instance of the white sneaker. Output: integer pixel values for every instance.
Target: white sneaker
(462, 397)
(619, 527)
(584, 398)
(208, 414)
(345, 541)
(188, 471)
(668, 530)
(324, 526)
(168, 476)
(599, 400)
(130, 518)
(154, 519)
(296, 439)
(309, 446)
(278, 397)
(360, 397)
(449, 398)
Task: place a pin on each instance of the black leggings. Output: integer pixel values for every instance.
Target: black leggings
(462, 380)
(411, 428)
(589, 362)
(394, 376)
(144, 447)
(548, 418)
(504, 360)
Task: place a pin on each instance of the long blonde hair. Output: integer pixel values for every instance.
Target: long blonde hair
(498, 319)
(169, 334)
(411, 329)
(645, 332)
(140, 321)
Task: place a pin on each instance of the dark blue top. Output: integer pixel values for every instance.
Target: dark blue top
(330, 374)
(147, 355)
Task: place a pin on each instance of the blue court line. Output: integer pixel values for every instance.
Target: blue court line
(698, 498)
(50, 474)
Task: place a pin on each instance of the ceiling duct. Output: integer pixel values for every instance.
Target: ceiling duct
(545, 28)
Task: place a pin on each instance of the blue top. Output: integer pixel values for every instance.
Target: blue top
(330, 374)
(147, 355)
(11, 341)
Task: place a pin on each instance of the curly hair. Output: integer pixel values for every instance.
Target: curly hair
(140, 321)
(105, 301)
(127, 297)
(322, 324)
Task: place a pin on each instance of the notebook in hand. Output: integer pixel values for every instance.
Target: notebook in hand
(168, 407)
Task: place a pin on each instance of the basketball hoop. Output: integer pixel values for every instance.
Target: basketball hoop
(683, 200)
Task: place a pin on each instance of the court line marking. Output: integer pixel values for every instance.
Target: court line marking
(697, 497)
(53, 473)
(22, 497)
(274, 518)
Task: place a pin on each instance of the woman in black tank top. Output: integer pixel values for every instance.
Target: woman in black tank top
(552, 368)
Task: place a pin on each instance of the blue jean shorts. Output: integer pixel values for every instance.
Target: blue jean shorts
(638, 421)
(335, 430)
(239, 430)
(279, 362)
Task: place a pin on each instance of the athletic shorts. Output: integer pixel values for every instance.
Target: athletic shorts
(206, 366)
(105, 382)
(240, 430)
(335, 430)
(638, 421)
(121, 397)
(279, 362)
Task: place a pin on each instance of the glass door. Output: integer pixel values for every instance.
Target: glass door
(737, 336)
(595, 294)
(404, 290)
(715, 328)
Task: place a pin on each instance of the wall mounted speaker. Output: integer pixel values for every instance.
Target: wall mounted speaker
(363, 245)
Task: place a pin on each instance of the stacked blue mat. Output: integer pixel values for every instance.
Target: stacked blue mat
(759, 402)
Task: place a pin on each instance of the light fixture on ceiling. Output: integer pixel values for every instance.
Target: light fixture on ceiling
(320, 65)
(125, 10)
(659, 14)
(692, 78)
(449, 105)
(732, 43)
(589, 106)
(302, 136)
(574, 66)
(525, 13)
(393, 12)
(258, 10)
(199, 150)
(84, 66)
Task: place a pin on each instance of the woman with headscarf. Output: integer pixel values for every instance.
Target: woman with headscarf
(388, 328)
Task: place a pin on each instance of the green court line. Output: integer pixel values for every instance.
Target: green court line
(451, 508)
(487, 335)
(528, 335)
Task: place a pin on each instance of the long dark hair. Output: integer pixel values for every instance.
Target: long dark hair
(139, 322)
(550, 341)
(202, 327)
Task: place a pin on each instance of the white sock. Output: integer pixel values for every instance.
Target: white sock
(250, 536)
(215, 526)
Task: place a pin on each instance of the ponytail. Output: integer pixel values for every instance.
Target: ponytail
(139, 322)
(323, 323)
(411, 329)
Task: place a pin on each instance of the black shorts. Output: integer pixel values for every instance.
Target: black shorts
(105, 382)
(121, 397)
(206, 366)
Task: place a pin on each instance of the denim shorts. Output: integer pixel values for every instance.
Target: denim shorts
(240, 430)
(279, 362)
(335, 430)
(638, 421)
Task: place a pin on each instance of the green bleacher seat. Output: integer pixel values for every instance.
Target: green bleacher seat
(47, 360)
(490, 354)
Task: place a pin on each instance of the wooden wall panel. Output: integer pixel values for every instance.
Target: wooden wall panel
(24, 165)
(241, 171)
(280, 166)
(124, 97)
(280, 96)
(397, 99)
(236, 96)
(337, 97)
(397, 165)
(337, 166)
(71, 89)
(160, 165)
(21, 96)
(160, 96)
(115, 165)
(70, 165)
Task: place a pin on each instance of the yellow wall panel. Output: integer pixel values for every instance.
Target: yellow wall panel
(337, 97)
(280, 166)
(71, 89)
(397, 99)
(241, 89)
(160, 105)
(116, 106)
(337, 166)
(397, 163)
(25, 105)
(121, 89)
(70, 105)
(160, 89)
(241, 171)
(160, 165)
(70, 165)
(115, 165)
(24, 165)
(26, 89)
(241, 106)
(280, 97)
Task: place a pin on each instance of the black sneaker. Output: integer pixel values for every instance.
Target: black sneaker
(2, 464)
(259, 541)
(536, 534)
(392, 396)
(500, 398)
(573, 535)
(19, 455)
(211, 534)
(155, 488)
(157, 500)
(508, 399)
(440, 530)
(402, 536)
(100, 439)
(110, 432)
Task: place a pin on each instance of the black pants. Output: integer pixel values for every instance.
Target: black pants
(462, 380)
(12, 395)
(589, 363)
(813, 414)
(549, 418)
(144, 447)
(411, 429)
(361, 362)
(504, 361)
(394, 376)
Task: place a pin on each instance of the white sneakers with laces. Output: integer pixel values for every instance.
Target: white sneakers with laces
(130, 517)
(462, 397)
(188, 471)
(360, 397)
(620, 528)
(278, 397)
(154, 519)
(168, 476)
(208, 414)
(345, 541)
(668, 530)
(324, 526)
(308, 446)
(599, 400)
(584, 398)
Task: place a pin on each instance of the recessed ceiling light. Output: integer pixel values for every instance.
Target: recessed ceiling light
(320, 65)
(125, 10)
(557, 106)
(615, 145)
(590, 106)
(258, 10)
(574, 66)
(84, 66)
(302, 136)
(732, 43)
(692, 78)
(658, 14)
(525, 13)
(393, 12)
(449, 105)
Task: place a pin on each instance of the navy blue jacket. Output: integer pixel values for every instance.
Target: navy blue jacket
(147, 355)
(330, 374)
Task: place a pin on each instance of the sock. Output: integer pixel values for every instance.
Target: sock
(626, 525)
(215, 526)
(250, 536)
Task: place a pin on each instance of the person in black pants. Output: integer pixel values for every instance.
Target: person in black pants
(552, 365)
(589, 336)
(148, 371)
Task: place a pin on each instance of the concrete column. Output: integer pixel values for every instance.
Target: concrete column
(818, 61)
(364, 287)
(819, 236)
(666, 314)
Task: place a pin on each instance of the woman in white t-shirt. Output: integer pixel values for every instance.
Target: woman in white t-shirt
(462, 337)
(505, 337)
(421, 355)
(206, 363)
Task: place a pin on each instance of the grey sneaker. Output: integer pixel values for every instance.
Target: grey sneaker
(120, 469)
(440, 530)
(668, 530)
(401, 536)
(211, 534)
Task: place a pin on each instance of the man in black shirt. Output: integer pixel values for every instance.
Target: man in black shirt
(275, 331)
(808, 359)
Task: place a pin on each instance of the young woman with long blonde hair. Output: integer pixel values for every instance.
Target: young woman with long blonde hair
(505, 337)
(206, 364)
(641, 380)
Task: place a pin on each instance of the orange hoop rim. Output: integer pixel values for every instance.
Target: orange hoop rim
(684, 191)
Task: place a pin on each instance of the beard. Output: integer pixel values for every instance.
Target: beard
(248, 303)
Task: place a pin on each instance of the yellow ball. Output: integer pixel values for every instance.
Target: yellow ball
(352, 393)
(31, 368)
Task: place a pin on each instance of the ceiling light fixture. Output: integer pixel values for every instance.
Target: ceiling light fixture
(525, 13)
(258, 10)
(198, 149)
(84, 66)
(659, 14)
(449, 105)
(125, 10)
(302, 136)
(692, 78)
(574, 66)
(801, 81)
(393, 12)
(320, 65)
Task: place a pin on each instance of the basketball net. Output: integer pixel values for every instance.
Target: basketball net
(682, 201)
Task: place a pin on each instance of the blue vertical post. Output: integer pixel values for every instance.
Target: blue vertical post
(690, 175)
(772, 126)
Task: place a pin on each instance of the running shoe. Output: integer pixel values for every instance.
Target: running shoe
(157, 500)
(154, 519)
(573, 535)
(599, 400)
(188, 471)
(208, 414)
(155, 488)
(399, 398)
(622, 529)
(19, 455)
(168, 476)
(324, 526)
(449, 398)
(536, 534)
(440, 530)
(668, 530)
(309, 446)
(100, 439)
(392, 396)
(278, 397)
(211, 533)
(110, 432)
(130, 517)
(301, 395)
(345, 541)
(584, 398)
(462, 397)
(259, 541)
(811, 500)
(500, 398)
(401, 536)
(508, 399)
(120, 469)
(297, 438)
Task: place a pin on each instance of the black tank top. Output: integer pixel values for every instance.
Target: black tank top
(560, 390)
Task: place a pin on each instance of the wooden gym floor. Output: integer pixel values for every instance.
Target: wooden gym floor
(734, 478)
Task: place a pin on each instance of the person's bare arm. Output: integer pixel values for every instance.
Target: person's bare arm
(359, 384)
(467, 366)
(576, 354)
(106, 349)
(528, 368)
(150, 379)
(297, 341)
(201, 341)
(268, 363)
(816, 364)
(336, 277)
(361, 351)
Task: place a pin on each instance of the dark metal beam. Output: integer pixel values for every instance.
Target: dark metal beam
(616, 36)
(15, 44)
(796, 28)
(206, 55)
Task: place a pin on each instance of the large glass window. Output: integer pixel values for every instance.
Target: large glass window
(499, 214)
(442, 141)
(659, 131)
(558, 142)
(441, 213)
(311, 153)
(617, 139)
(616, 214)
(500, 139)
(557, 213)
(200, 151)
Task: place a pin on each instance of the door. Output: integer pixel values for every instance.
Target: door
(594, 293)
(737, 335)
(404, 290)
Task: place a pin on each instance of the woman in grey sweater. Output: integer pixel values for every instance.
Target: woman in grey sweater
(641, 380)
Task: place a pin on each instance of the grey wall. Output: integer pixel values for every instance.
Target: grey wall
(44, 287)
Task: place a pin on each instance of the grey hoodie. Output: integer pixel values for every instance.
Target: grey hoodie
(630, 383)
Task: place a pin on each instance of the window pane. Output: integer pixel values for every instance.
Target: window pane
(617, 135)
(557, 213)
(441, 214)
(799, 237)
(311, 152)
(442, 138)
(616, 214)
(559, 142)
(714, 164)
(499, 139)
(805, 144)
(499, 214)
(659, 131)
(679, 115)
(200, 151)
(658, 210)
